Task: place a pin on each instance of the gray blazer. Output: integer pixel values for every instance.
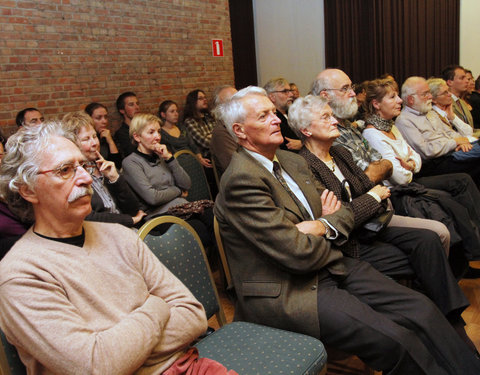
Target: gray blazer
(275, 267)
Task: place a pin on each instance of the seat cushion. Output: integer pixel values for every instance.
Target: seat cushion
(252, 349)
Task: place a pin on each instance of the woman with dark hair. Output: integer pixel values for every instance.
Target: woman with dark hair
(176, 137)
(198, 121)
(108, 149)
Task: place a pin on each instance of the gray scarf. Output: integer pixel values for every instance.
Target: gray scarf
(379, 122)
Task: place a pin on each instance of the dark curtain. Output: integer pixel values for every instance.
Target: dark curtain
(243, 43)
(367, 38)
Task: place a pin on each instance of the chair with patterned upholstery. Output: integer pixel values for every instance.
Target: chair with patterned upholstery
(10, 363)
(200, 188)
(247, 348)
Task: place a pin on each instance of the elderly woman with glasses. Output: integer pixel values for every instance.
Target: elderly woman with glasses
(396, 248)
(112, 199)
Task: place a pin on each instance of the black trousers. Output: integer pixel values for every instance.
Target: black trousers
(390, 327)
(460, 197)
(447, 164)
(397, 249)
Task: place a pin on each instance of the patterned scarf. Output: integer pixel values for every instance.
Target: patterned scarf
(379, 122)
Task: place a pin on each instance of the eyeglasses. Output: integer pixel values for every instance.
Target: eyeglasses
(285, 91)
(424, 94)
(343, 89)
(66, 171)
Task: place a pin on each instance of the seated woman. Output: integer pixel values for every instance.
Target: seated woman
(421, 249)
(158, 179)
(457, 193)
(112, 200)
(174, 137)
(99, 113)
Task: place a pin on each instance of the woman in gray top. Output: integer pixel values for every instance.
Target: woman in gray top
(156, 176)
(152, 171)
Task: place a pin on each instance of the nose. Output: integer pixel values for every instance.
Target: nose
(82, 177)
(275, 119)
(333, 120)
(350, 92)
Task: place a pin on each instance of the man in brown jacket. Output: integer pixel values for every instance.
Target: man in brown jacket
(288, 272)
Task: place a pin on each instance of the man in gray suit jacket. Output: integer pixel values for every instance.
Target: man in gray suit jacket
(283, 244)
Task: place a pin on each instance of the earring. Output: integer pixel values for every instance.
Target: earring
(308, 133)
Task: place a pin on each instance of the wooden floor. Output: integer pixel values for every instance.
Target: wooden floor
(352, 365)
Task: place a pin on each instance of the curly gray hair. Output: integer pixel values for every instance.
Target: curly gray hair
(21, 164)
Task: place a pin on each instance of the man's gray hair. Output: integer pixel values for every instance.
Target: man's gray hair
(321, 83)
(274, 83)
(435, 84)
(233, 111)
(216, 94)
(301, 113)
(408, 87)
(21, 164)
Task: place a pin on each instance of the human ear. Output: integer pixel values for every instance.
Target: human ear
(28, 194)
(238, 130)
(375, 104)
(306, 132)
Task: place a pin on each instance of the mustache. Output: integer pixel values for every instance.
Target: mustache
(79, 192)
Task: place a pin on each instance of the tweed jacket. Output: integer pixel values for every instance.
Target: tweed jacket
(275, 267)
(460, 108)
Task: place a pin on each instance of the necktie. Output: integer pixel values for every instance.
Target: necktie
(277, 171)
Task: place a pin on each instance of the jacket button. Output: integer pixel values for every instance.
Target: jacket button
(314, 287)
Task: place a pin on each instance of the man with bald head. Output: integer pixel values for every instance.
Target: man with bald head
(335, 86)
(441, 149)
(283, 234)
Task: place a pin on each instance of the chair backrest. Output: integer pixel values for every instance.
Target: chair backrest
(181, 251)
(216, 174)
(221, 251)
(189, 162)
(10, 363)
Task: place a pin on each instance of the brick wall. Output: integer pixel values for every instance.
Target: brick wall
(59, 55)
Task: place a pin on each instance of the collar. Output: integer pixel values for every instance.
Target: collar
(441, 112)
(411, 110)
(267, 163)
(150, 158)
(454, 97)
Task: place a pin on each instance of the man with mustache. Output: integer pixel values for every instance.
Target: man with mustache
(79, 297)
(283, 234)
(335, 86)
(424, 131)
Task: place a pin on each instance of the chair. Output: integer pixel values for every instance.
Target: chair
(10, 363)
(247, 348)
(189, 162)
(216, 174)
(223, 257)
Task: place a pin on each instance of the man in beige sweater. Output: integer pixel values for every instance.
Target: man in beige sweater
(82, 297)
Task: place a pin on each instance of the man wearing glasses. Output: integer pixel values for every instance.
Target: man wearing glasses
(80, 297)
(424, 131)
(335, 86)
(279, 92)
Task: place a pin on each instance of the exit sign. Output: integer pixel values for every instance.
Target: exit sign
(217, 47)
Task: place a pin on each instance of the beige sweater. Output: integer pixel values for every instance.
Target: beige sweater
(109, 307)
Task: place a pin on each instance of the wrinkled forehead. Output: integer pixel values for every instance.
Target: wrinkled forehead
(59, 151)
(256, 104)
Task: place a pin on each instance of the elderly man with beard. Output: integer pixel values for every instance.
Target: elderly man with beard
(335, 86)
(442, 150)
(78, 297)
